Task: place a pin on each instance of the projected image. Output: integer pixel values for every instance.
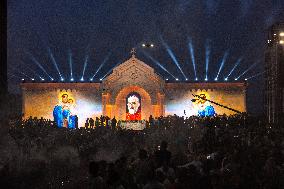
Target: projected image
(203, 107)
(133, 106)
(64, 112)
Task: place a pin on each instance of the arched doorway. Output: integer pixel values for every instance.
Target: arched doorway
(133, 94)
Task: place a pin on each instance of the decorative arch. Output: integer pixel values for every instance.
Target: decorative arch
(120, 102)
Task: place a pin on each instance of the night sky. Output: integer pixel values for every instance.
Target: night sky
(46, 33)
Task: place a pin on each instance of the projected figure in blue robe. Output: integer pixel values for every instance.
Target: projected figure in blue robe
(62, 113)
(205, 109)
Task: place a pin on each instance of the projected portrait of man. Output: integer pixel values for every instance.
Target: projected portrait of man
(204, 107)
(133, 107)
(62, 113)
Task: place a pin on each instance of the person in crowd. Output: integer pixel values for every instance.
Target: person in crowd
(217, 152)
(96, 181)
(87, 123)
(162, 155)
(113, 123)
(97, 122)
(92, 123)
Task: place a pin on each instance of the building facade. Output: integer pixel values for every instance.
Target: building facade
(132, 91)
(274, 73)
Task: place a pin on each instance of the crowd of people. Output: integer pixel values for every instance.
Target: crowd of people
(172, 152)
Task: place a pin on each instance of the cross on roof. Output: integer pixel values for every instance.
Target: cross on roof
(133, 52)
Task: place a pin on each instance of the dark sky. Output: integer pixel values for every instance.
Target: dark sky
(44, 33)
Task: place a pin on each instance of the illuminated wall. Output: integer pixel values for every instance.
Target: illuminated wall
(40, 99)
(178, 97)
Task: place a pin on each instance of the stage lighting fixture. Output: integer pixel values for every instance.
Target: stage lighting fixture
(82, 79)
(274, 34)
(236, 79)
(176, 79)
(186, 79)
(281, 42)
(33, 79)
(281, 34)
(62, 79)
(246, 79)
(196, 79)
(167, 79)
(226, 79)
(101, 79)
(72, 79)
(206, 79)
(216, 79)
(23, 79)
(91, 79)
(52, 79)
(148, 45)
(42, 79)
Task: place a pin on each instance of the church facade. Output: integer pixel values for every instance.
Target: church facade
(133, 91)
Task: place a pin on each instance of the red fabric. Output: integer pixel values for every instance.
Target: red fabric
(133, 117)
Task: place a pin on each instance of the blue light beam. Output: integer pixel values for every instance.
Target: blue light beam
(173, 57)
(102, 64)
(222, 64)
(70, 64)
(54, 63)
(109, 71)
(22, 73)
(246, 70)
(158, 63)
(236, 64)
(258, 74)
(41, 78)
(85, 65)
(38, 64)
(207, 58)
(191, 51)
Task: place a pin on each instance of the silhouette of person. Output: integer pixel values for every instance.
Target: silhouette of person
(113, 123)
(92, 123)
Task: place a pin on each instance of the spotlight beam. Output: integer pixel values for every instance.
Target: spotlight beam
(22, 73)
(38, 64)
(85, 65)
(102, 64)
(246, 70)
(258, 74)
(222, 63)
(110, 71)
(191, 50)
(70, 64)
(173, 57)
(207, 56)
(236, 64)
(54, 62)
(158, 63)
(35, 73)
